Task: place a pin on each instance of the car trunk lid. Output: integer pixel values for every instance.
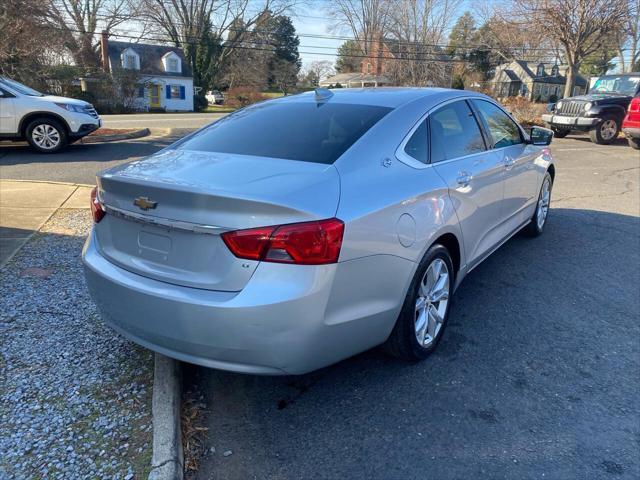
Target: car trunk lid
(165, 214)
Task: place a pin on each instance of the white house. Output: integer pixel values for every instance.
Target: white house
(165, 77)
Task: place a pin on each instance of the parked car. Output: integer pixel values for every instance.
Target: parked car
(631, 123)
(47, 122)
(300, 231)
(600, 112)
(214, 97)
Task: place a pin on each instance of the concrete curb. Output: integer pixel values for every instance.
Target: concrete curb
(114, 138)
(167, 460)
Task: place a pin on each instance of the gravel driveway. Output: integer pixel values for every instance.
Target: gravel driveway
(74, 396)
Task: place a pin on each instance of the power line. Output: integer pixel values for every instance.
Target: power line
(239, 45)
(475, 46)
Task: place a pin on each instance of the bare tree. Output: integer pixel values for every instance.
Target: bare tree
(367, 20)
(579, 26)
(320, 69)
(78, 21)
(419, 27)
(628, 38)
(25, 42)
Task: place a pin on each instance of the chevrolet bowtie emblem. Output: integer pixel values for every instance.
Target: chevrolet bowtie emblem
(144, 203)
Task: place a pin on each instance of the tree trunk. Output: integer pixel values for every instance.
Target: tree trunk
(571, 80)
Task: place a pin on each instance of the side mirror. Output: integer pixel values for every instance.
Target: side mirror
(540, 136)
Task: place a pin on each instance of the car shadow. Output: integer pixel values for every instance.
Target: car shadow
(620, 141)
(538, 365)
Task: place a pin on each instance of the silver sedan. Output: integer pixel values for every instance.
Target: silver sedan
(300, 231)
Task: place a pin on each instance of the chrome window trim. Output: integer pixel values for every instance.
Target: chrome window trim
(408, 160)
(164, 222)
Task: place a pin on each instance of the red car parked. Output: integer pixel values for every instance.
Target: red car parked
(631, 123)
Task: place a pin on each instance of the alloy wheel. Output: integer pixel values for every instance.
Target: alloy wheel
(608, 129)
(431, 303)
(543, 203)
(46, 136)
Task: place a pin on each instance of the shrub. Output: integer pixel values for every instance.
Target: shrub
(200, 103)
(239, 97)
(526, 112)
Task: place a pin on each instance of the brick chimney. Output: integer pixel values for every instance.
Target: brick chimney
(104, 50)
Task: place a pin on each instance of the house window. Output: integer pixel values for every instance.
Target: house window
(172, 65)
(130, 62)
(540, 70)
(555, 70)
(175, 91)
(368, 68)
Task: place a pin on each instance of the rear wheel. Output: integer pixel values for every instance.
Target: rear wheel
(606, 132)
(46, 135)
(539, 219)
(425, 311)
(560, 133)
(634, 143)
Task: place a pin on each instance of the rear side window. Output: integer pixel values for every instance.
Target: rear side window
(311, 132)
(454, 132)
(503, 130)
(418, 147)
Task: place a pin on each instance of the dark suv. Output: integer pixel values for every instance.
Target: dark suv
(600, 112)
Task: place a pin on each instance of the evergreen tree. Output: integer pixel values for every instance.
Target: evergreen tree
(349, 57)
(285, 62)
(462, 35)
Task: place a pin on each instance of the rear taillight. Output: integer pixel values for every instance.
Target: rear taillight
(634, 106)
(96, 209)
(308, 243)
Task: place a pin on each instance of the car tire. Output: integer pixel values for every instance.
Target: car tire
(607, 130)
(46, 135)
(634, 143)
(541, 213)
(557, 133)
(404, 341)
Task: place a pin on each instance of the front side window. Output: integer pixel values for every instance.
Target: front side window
(172, 63)
(417, 147)
(503, 130)
(306, 131)
(175, 91)
(454, 132)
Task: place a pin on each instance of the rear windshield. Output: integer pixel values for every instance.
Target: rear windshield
(311, 132)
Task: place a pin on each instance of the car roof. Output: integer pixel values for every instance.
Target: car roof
(391, 97)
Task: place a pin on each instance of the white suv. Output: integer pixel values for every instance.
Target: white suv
(48, 123)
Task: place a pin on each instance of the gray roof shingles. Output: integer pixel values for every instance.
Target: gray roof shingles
(150, 58)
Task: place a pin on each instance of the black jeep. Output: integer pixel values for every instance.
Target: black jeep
(600, 112)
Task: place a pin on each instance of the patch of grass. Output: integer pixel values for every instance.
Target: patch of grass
(272, 94)
(219, 109)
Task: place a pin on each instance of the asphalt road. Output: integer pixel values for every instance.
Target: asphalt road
(79, 163)
(537, 375)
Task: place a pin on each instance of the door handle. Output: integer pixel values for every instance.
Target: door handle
(509, 163)
(464, 179)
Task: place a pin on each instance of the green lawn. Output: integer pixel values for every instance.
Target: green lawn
(219, 109)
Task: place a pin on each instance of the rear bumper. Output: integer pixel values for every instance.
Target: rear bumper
(289, 319)
(631, 132)
(564, 122)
